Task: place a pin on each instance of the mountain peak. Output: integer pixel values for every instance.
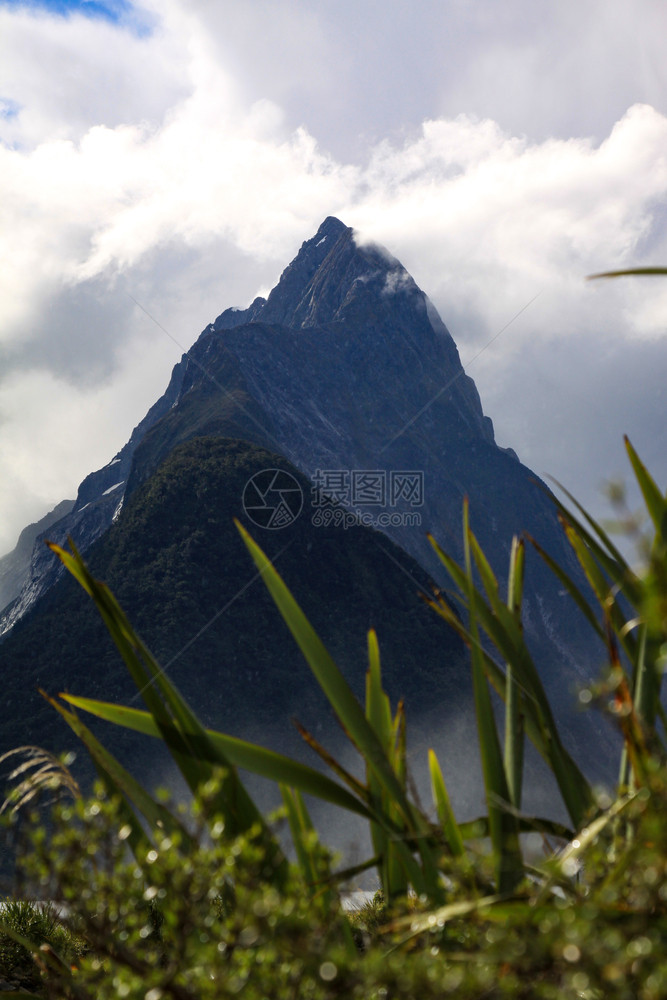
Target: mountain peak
(293, 302)
(345, 368)
(332, 275)
(331, 227)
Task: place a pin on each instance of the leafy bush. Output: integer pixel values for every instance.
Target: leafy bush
(203, 917)
(192, 916)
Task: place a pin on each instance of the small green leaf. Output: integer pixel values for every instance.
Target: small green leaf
(632, 271)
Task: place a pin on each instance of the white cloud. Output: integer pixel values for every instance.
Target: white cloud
(357, 73)
(492, 207)
(190, 190)
(66, 75)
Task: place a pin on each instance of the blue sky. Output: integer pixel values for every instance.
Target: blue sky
(179, 152)
(114, 11)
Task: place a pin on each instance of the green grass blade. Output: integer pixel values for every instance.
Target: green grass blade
(514, 726)
(648, 679)
(502, 825)
(179, 727)
(475, 829)
(399, 744)
(601, 546)
(145, 673)
(378, 713)
(416, 828)
(316, 872)
(357, 787)
(655, 502)
(330, 679)
(115, 776)
(632, 271)
(423, 922)
(573, 851)
(378, 710)
(250, 757)
(487, 576)
(302, 831)
(444, 610)
(507, 637)
(444, 810)
(541, 730)
(346, 874)
(604, 589)
(495, 627)
(396, 873)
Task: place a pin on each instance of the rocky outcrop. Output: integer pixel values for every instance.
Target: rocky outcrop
(15, 566)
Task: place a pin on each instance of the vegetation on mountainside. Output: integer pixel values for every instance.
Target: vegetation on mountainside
(174, 560)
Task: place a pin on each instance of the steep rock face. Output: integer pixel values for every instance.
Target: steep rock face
(345, 369)
(360, 293)
(15, 566)
(99, 500)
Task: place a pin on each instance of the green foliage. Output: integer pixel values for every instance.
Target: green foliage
(409, 849)
(187, 916)
(33, 940)
(199, 918)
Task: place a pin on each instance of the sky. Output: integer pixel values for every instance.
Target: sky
(162, 161)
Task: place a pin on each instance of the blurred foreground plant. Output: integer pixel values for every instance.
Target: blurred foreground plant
(204, 919)
(186, 916)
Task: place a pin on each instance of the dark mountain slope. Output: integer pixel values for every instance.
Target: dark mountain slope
(341, 357)
(179, 568)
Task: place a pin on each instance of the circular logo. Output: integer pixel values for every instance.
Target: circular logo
(272, 499)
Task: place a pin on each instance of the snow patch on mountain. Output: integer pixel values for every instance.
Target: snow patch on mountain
(112, 488)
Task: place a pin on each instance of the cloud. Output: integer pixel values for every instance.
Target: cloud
(357, 73)
(158, 171)
(63, 76)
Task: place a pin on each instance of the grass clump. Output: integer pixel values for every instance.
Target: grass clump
(34, 940)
